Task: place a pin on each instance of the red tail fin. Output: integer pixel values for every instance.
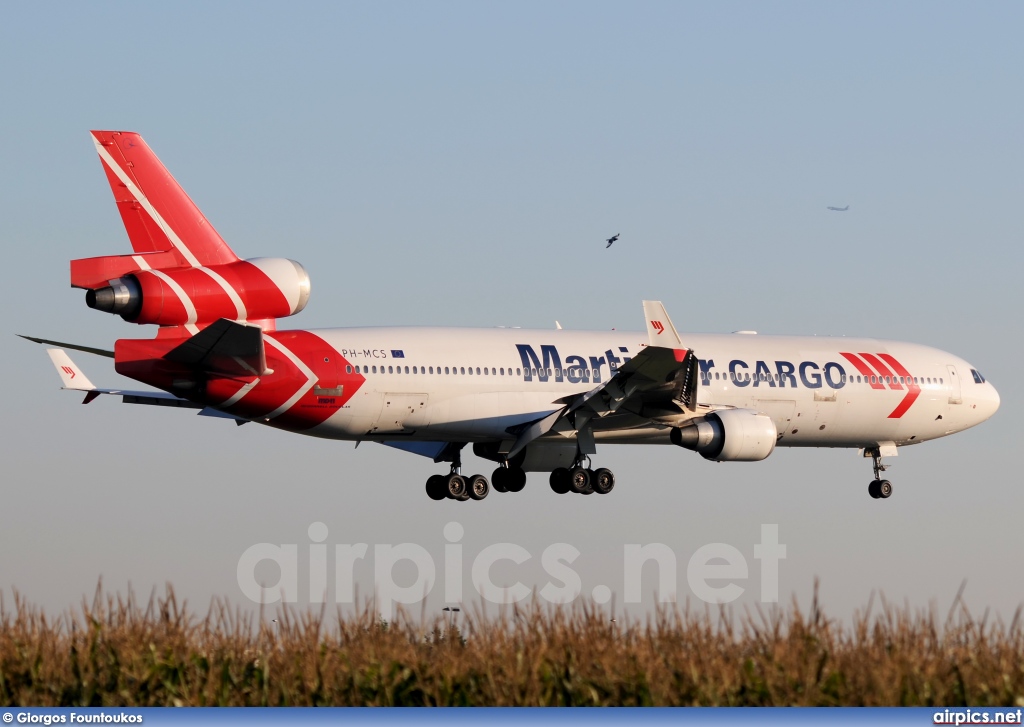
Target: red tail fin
(157, 213)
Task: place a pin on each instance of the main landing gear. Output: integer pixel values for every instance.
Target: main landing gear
(455, 486)
(879, 489)
(582, 480)
(508, 479)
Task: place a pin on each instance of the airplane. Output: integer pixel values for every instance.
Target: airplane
(839, 209)
(526, 400)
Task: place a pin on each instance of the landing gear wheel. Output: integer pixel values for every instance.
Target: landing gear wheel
(500, 480)
(560, 480)
(455, 486)
(603, 481)
(579, 480)
(435, 487)
(478, 487)
(517, 480)
(879, 489)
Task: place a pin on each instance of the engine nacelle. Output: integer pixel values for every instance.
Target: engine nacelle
(252, 290)
(729, 435)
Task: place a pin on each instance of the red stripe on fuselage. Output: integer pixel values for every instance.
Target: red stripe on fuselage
(863, 369)
(883, 370)
(913, 392)
(330, 371)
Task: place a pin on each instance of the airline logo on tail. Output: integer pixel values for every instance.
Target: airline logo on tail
(658, 326)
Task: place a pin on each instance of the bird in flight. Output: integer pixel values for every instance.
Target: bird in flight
(839, 209)
(610, 240)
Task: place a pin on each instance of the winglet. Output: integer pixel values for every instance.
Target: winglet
(660, 331)
(70, 375)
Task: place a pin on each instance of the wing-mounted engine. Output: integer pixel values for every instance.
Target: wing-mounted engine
(729, 435)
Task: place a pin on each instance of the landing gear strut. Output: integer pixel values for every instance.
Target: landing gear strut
(879, 489)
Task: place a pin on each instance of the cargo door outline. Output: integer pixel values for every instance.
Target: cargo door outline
(955, 393)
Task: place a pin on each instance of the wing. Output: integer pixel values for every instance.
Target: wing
(658, 385)
(73, 379)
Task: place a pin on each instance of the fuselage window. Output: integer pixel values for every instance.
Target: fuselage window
(502, 370)
(519, 372)
(462, 370)
(477, 371)
(445, 369)
(374, 369)
(431, 369)
(941, 382)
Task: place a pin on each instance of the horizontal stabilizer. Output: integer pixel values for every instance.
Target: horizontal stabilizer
(226, 347)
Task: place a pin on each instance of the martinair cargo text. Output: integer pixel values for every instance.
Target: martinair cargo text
(530, 401)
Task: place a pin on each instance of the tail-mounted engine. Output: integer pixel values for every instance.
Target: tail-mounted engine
(729, 435)
(257, 289)
(181, 272)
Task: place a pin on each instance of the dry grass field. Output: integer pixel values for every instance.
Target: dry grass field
(113, 651)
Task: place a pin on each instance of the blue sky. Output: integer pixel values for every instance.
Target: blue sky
(461, 163)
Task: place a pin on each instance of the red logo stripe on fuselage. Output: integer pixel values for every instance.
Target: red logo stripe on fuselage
(881, 371)
(863, 369)
(913, 392)
(329, 371)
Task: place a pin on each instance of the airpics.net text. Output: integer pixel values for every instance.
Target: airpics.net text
(714, 572)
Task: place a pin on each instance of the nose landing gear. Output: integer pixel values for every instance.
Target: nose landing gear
(879, 489)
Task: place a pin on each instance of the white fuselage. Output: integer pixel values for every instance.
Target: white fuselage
(472, 385)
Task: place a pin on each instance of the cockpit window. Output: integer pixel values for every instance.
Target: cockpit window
(978, 378)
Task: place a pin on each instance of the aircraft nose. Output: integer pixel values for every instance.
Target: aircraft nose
(985, 401)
